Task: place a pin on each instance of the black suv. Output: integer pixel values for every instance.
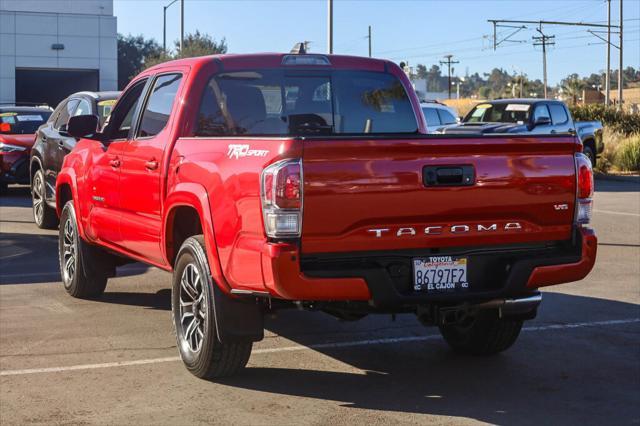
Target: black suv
(53, 143)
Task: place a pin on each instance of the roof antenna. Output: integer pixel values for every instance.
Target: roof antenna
(299, 48)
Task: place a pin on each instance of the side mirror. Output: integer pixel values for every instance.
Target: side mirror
(542, 121)
(82, 126)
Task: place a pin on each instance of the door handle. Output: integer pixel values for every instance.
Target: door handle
(115, 163)
(151, 165)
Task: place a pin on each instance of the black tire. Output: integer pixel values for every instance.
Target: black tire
(44, 216)
(586, 150)
(484, 334)
(202, 352)
(84, 268)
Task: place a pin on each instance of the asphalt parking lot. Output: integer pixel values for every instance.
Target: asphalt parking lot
(114, 361)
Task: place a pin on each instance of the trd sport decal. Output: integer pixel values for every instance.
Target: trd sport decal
(242, 150)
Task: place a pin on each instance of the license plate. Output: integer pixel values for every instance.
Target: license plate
(440, 274)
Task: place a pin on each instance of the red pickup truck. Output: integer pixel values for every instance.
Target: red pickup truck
(278, 180)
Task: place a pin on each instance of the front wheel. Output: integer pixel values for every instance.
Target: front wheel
(84, 268)
(483, 334)
(192, 305)
(44, 216)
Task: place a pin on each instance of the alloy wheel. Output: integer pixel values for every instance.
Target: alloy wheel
(38, 198)
(69, 253)
(193, 307)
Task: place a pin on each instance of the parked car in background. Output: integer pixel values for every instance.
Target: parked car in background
(438, 116)
(533, 116)
(271, 181)
(52, 143)
(18, 125)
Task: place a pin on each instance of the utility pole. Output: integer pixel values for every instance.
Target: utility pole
(181, 26)
(330, 26)
(448, 62)
(620, 76)
(164, 26)
(543, 40)
(607, 79)
(369, 37)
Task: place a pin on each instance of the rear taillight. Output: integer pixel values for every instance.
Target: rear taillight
(584, 202)
(281, 195)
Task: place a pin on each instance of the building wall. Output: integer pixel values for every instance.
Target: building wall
(29, 28)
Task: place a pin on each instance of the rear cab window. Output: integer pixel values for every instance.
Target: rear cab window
(558, 114)
(290, 102)
(19, 122)
(499, 113)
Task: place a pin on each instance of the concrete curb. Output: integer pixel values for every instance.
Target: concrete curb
(618, 178)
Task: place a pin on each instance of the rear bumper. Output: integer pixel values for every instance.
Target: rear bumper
(385, 279)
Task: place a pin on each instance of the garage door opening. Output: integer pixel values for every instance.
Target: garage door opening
(51, 86)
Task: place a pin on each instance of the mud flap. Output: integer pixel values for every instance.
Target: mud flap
(237, 319)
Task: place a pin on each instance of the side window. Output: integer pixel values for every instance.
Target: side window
(83, 108)
(558, 114)
(158, 107)
(541, 111)
(431, 115)
(121, 117)
(65, 112)
(446, 117)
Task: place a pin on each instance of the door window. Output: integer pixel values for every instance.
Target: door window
(65, 112)
(540, 112)
(121, 118)
(83, 108)
(158, 107)
(558, 114)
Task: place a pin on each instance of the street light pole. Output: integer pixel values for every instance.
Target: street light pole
(181, 26)
(620, 76)
(330, 26)
(164, 26)
(607, 78)
(369, 40)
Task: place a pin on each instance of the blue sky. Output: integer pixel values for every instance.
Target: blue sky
(419, 31)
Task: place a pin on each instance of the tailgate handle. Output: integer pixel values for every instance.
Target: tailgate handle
(448, 175)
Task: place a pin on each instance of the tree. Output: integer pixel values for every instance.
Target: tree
(133, 51)
(434, 79)
(195, 44)
(421, 71)
(572, 87)
(198, 44)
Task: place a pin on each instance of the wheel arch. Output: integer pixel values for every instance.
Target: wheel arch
(186, 202)
(67, 190)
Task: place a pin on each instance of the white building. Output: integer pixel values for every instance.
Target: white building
(52, 48)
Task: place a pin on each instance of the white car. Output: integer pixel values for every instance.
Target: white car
(438, 116)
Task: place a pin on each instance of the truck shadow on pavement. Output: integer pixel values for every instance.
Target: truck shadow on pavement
(585, 374)
(33, 258)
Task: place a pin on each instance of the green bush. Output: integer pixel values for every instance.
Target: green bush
(621, 122)
(627, 157)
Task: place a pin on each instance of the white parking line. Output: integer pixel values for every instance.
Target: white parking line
(618, 213)
(304, 348)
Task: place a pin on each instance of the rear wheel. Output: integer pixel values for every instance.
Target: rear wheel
(44, 216)
(192, 305)
(483, 334)
(84, 268)
(590, 155)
